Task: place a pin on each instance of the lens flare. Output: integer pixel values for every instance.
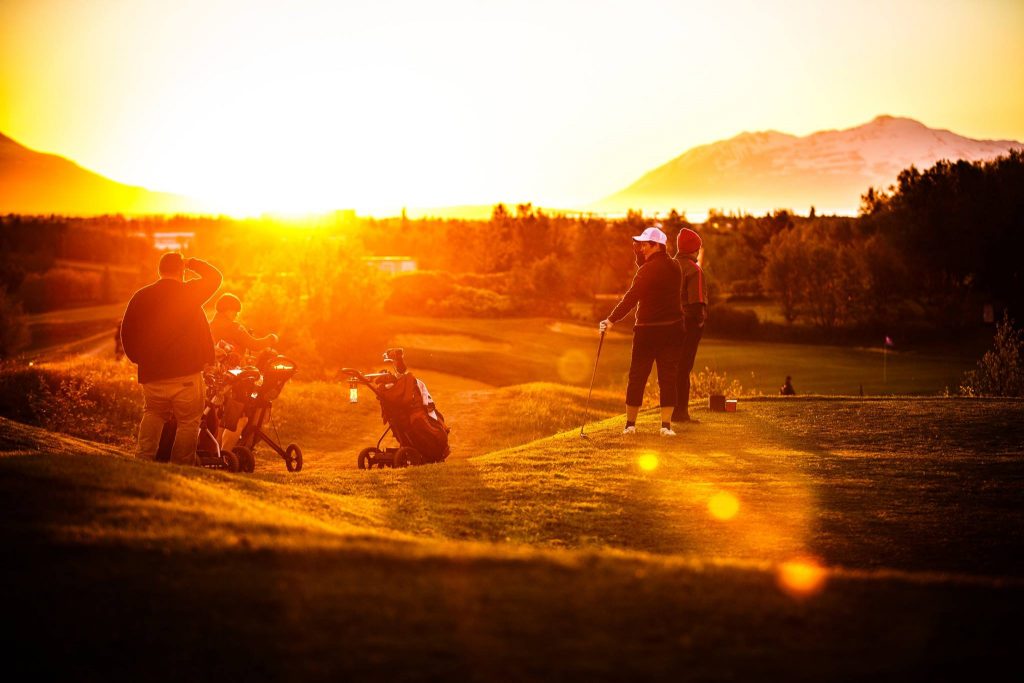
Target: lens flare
(723, 506)
(647, 462)
(801, 577)
(574, 366)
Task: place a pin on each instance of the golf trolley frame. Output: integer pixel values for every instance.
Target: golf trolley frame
(253, 433)
(257, 400)
(375, 456)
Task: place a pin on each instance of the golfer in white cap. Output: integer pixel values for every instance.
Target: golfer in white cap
(657, 333)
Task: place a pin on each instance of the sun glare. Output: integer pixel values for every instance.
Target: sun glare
(723, 506)
(648, 462)
(801, 577)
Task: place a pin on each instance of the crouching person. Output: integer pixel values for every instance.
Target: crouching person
(164, 331)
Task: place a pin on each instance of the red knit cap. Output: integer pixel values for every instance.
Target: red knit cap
(688, 241)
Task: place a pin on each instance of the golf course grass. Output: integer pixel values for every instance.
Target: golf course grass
(809, 539)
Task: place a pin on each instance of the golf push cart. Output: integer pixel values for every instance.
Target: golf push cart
(409, 412)
(231, 395)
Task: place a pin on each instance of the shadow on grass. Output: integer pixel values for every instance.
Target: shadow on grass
(922, 485)
(124, 614)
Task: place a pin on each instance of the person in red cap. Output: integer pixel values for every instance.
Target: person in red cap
(693, 298)
(658, 329)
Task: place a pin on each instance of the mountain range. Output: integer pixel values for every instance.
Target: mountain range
(751, 172)
(829, 170)
(35, 183)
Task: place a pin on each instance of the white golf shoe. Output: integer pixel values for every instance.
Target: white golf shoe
(667, 431)
(631, 429)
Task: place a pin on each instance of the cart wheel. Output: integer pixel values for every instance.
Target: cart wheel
(293, 458)
(231, 460)
(407, 456)
(367, 456)
(246, 461)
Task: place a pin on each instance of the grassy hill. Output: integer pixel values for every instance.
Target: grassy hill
(807, 539)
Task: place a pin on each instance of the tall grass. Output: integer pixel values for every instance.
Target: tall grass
(704, 383)
(89, 398)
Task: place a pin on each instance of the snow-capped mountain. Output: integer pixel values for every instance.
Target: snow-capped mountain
(829, 170)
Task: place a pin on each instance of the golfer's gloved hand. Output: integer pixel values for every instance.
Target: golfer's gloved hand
(605, 325)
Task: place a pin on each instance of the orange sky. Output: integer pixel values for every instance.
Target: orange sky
(310, 105)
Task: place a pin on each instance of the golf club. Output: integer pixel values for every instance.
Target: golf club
(586, 410)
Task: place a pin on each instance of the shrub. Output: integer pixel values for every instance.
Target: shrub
(443, 294)
(703, 383)
(472, 302)
(58, 288)
(1000, 371)
(411, 293)
(746, 289)
(98, 400)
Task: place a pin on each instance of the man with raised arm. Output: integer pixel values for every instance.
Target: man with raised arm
(164, 331)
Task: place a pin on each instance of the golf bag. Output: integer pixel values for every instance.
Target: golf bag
(406, 405)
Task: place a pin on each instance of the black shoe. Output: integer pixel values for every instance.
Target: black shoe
(685, 419)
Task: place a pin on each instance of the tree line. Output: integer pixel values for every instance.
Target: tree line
(928, 253)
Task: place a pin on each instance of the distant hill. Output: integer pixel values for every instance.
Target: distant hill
(829, 169)
(36, 183)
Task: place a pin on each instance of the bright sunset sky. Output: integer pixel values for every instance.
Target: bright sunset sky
(310, 105)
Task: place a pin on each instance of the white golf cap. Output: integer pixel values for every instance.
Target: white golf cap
(652, 234)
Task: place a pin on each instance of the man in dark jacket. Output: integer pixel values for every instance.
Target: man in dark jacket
(658, 330)
(164, 331)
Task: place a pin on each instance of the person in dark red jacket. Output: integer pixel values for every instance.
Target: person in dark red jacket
(693, 297)
(658, 331)
(164, 331)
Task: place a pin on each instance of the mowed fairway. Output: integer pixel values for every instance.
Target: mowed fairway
(506, 352)
(806, 539)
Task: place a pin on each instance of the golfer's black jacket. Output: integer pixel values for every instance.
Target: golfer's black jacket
(654, 292)
(164, 329)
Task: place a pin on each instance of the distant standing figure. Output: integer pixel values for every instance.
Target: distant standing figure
(164, 331)
(656, 334)
(693, 297)
(787, 388)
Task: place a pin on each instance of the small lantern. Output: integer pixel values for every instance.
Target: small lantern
(353, 393)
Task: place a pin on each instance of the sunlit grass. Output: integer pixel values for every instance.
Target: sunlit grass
(786, 523)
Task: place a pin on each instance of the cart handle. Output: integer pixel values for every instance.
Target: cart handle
(357, 377)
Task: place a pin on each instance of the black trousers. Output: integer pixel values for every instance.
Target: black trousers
(654, 343)
(687, 355)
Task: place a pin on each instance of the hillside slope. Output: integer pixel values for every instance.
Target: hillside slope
(804, 539)
(35, 183)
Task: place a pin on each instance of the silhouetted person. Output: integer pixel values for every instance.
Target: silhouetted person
(164, 331)
(225, 326)
(693, 298)
(787, 387)
(658, 329)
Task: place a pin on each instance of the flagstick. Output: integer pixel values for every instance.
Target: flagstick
(885, 363)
